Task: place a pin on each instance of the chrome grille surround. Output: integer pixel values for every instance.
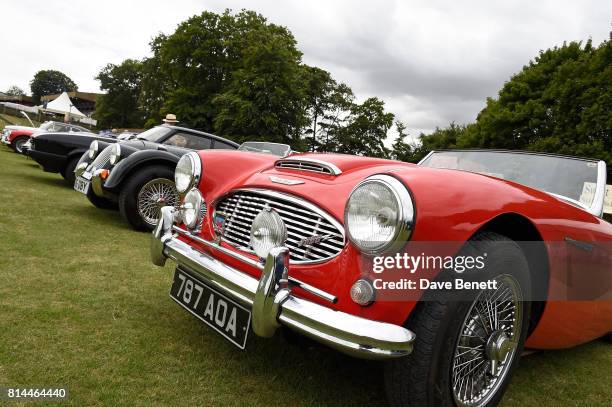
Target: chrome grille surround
(102, 160)
(303, 220)
(308, 164)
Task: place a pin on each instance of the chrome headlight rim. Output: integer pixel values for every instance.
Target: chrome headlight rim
(193, 201)
(406, 218)
(115, 154)
(94, 148)
(194, 172)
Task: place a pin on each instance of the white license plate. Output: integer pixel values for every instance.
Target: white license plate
(86, 175)
(81, 185)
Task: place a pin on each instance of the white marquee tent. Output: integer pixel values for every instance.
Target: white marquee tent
(63, 105)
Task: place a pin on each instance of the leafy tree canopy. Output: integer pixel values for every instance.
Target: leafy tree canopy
(50, 82)
(242, 77)
(119, 106)
(558, 103)
(14, 91)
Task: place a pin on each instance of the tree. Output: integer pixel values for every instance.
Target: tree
(15, 91)
(50, 82)
(119, 106)
(401, 150)
(264, 99)
(318, 88)
(192, 66)
(365, 131)
(558, 103)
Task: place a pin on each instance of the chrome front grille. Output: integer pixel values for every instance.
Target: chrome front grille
(312, 235)
(102, 160)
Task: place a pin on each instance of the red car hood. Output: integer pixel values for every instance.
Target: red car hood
(225, 170)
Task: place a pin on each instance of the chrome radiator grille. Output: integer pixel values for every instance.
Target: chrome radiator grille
(102, 160)
(312, 235)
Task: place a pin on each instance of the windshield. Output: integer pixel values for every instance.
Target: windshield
(46, 126)
(281, 150)
(154, 135)
(568, 177)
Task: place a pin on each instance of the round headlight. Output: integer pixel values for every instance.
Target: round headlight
(93, 149)
(192, 209)
(187, 173)
(267, 232)
(115, 154)
(379, 214)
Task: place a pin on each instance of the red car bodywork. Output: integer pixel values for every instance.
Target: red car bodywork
(19, 133)
(450, 206)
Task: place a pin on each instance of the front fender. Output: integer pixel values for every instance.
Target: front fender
(128, 164)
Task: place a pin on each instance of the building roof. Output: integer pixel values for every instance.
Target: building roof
(78, 95)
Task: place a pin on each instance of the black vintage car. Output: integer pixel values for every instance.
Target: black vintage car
(60, 152)
(138, 175)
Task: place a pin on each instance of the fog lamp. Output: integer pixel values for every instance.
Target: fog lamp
(192, 209)
(362, 292)
(268, 231)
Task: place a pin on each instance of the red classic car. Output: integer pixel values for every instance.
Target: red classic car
(338, 248)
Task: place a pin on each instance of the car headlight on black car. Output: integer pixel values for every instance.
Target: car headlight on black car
(115, 154)
(94, 147)
(188, 172)
(379, 215)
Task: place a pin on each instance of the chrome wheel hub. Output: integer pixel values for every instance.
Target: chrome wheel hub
(153, 196)
(498, 346)
(487, 342)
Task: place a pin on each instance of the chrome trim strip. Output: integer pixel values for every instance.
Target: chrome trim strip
(600, 192)
(426, 157)
(334, 170)
(273, 304)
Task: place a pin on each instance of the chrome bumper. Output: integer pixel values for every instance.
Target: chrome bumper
(273, 304)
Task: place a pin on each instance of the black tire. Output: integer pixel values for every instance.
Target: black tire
(132, 187)
(100, 202)
(68, 171)
(424, 378)
(18, 142)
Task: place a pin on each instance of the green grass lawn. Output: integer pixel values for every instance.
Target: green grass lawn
(82, 307)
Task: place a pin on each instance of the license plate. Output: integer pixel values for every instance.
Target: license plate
(86, 175)
(224, 315)
(81, 185)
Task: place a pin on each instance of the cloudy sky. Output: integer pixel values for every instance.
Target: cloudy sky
(432, 62)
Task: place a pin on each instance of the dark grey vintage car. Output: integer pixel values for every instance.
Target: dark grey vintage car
(138, 175)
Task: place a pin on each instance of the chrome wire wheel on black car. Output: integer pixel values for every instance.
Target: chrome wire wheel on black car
(487, 343)
(467, 343)
(144, 193)
(153, 196)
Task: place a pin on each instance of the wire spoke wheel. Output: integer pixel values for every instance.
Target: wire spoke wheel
(19, 145)
(153, 196)
(487, 343)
